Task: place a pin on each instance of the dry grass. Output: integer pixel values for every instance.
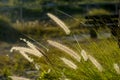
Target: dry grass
(31, 50)
(84, 55)
(69, 63)
(96, 63)
(59, 22)
(116, 67)
(18, 78)
(65, 49)
(84, 69)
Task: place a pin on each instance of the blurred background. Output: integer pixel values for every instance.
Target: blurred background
(27, 14)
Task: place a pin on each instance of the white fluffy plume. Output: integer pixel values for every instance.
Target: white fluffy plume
(84, 55)
(30, 50)
(59, 22)
(116, 67)
(65, 49)
(96, 63)
(69, 63)
(18, 78)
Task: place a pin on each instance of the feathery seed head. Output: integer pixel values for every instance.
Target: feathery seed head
(59, 22)
(30, 50)
(18, 78)
(69, 63)
(84, 55)
(96, 63)
(116, 67)
(65, 49)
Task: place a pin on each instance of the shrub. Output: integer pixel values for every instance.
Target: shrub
(98, 12)
(93, 33)
(6, 30)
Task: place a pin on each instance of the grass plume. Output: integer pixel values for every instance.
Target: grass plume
(18, 78)
(65, 49)
(31, 50)
(69, 63)
(59, 22)
(26, 56)
(96, 63)
(84, 55)
(116, 67)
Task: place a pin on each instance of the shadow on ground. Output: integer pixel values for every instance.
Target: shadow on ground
(8, 33)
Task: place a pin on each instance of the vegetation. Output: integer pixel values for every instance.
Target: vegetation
(105, 51)
(98, 60)
(48, 52)
(38, 2)
(98, 12)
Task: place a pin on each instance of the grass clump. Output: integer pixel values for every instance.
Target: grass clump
(90, 60)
